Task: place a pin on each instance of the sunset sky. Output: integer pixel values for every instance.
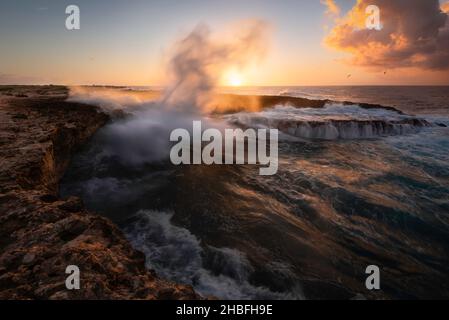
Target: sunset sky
(313, 42)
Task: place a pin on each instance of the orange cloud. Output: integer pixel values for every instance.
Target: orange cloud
(333, 10)
(415, 33)
(445, 7)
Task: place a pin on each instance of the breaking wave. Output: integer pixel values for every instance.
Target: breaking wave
(310, 230)
(176, 254)
(334, 121)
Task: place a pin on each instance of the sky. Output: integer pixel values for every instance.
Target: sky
(312, 42)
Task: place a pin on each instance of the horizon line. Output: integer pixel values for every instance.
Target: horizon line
(230, 87)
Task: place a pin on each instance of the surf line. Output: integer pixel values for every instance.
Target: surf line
(256, 152)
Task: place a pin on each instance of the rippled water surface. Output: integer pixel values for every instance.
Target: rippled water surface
(335, 207)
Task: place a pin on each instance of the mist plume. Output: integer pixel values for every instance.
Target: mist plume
(196, 64)
(199, 60)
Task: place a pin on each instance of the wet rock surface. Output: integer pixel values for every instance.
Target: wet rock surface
(41, 234)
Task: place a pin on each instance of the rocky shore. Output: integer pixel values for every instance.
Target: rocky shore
(41, 234)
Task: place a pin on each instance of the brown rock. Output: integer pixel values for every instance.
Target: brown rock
(28, 258)
(40, 234)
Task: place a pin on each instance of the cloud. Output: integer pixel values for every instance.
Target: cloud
(333, 10)
(415, 33)
(445, 7)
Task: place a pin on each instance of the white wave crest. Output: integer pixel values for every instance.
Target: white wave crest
(176, 254)
(334, 121)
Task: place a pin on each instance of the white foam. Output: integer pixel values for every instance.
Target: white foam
(176, 254)
(334, 121)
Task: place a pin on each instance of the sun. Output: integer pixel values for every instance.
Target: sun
(234, 79)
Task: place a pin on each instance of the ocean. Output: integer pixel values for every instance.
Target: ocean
(355, 187)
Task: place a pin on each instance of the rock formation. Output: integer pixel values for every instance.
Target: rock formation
(41, 234)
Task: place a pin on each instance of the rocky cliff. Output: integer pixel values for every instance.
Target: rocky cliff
(41, 234)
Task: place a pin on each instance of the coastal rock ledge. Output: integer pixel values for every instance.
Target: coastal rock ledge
(40, 234)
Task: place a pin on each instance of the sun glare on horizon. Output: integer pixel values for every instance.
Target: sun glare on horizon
(234, 79)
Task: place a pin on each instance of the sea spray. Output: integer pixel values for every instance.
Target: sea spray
(200, 59)
(174, 253)
(197, 61)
